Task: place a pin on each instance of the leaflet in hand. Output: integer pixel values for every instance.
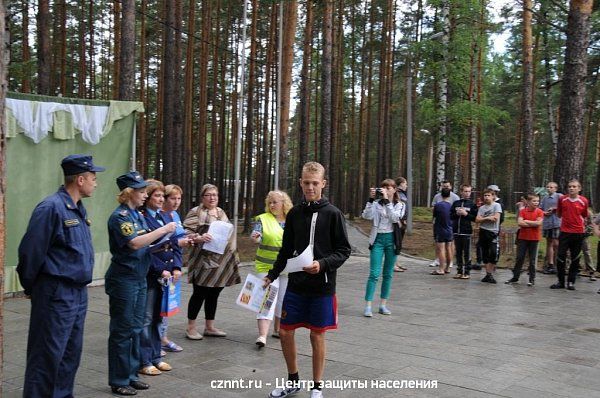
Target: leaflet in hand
(256, 298)
(295, 264)
(220, 232)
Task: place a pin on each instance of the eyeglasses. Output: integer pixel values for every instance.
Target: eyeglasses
(211, 195)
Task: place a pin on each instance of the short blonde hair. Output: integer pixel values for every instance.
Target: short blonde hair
(287, 202)
(313, 168)
(171, 189)
(124, 195)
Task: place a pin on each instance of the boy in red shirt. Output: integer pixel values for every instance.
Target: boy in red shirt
(573, 209)
(530, 233)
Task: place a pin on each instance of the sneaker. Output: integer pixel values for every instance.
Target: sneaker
(384, 311)
(549, 270)
(368, 312)
(458, 276)
(486, 278)
(316, 394)
(598, 291)
(451, 265)
(284, 392)
(593, 278)
(492, 280)
(511, 281)
(531, 282)
(558, 285)
(261, 341)
(570, 286)
(465, 276)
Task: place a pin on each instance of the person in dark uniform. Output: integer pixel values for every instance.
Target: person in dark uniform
(166, 263)
(125, 282)
(56, 260)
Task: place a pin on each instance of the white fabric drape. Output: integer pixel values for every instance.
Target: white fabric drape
(90, 120)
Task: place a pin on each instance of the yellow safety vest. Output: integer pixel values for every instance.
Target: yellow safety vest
(272, 238)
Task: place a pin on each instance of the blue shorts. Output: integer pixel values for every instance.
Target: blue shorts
(315, 313)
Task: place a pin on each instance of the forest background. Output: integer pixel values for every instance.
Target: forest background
(357, 85)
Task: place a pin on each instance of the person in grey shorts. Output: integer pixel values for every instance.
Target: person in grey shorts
(550, 225)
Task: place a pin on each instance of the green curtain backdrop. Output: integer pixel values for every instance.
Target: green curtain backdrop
(34, 172)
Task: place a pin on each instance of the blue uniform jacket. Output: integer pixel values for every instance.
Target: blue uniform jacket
(57, 243)
(168, 256)
(124, 224)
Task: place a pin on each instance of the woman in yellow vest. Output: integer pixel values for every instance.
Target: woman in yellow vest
(268, 233)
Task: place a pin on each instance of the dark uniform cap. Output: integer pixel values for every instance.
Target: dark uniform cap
(77, 164)
(133, 179)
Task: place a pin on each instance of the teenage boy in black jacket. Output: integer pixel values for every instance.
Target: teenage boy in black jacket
(463, 213)
(309, 300)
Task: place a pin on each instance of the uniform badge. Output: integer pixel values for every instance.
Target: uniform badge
(71, 223)
(127, 229)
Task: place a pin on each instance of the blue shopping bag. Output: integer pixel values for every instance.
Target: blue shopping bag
(171, 300)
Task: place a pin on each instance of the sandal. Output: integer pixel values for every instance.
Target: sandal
(172, 347)
(437, 272)
(398, 269)
(150, 370)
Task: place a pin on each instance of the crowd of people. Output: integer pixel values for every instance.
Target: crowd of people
(564, 220)
(150, 243)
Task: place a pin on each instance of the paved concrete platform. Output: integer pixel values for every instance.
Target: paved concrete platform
(474, 339)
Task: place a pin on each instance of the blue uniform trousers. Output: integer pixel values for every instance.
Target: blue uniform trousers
(150, 344)
(58, 310)
(127, 302)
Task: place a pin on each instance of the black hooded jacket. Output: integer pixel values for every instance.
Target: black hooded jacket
(331, 247)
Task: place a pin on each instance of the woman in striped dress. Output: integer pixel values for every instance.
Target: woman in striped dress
(208, 272)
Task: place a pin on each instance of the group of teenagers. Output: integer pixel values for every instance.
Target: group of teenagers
(564, 220)
(149, 244)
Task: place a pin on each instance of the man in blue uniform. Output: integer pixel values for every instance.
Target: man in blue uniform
(56, 259)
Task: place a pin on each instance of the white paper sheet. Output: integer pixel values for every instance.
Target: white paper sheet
(255, 298)
(220, 232)
(295, 264)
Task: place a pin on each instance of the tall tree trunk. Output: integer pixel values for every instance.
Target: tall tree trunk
(290, 13)
(551, 117)
(26, 53)
(116, 79)
(168, 66)
(188, 106)
(250, 116)
(203, 96)
(44, 56)
(81, 75)
(443, 95)
(176, 145)
(142, 139)
(262, 184)
(91, 92)
(4, 61)
(569, 162)
(127, 54)
(325, 150)
(527, 154)
(62, 7)
(304, 111)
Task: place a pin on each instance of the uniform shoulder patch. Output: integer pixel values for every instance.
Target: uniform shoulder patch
(127, 229)
(123, 212)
